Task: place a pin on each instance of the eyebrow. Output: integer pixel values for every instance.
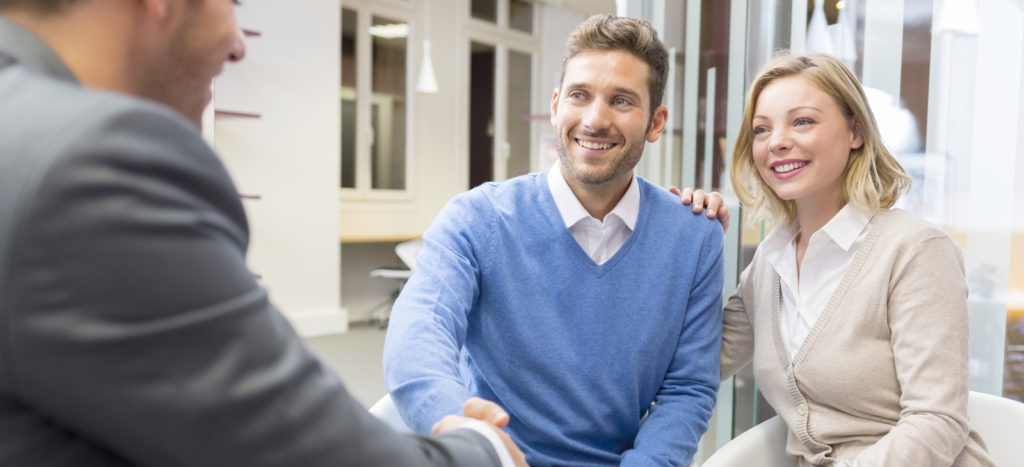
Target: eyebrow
(794, 109)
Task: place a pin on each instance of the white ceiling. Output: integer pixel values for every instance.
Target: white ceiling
(586, 7)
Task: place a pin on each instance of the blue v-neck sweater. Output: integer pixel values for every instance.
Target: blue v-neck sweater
(505, 305)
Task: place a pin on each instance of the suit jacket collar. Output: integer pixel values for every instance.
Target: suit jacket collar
(19, 45)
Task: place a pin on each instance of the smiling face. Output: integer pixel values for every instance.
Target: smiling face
(602, 116)
(802, 142)
(205, 36)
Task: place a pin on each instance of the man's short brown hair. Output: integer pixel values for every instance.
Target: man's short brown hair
(636, 36)
(37, 6)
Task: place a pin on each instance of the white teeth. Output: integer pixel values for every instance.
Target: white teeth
(593, 145)
(788, 167)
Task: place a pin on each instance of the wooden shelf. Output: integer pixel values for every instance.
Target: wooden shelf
(534, 116)
(251, 33)
(376, 239)
(235, 113)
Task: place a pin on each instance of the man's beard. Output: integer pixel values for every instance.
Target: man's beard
(625, 161)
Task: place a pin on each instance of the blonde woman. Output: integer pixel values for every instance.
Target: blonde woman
(854, 313)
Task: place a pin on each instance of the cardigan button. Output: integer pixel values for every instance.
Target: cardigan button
(801, 409)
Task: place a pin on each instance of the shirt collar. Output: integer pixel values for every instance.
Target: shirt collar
(776, 242)
(572, 211)
(843, 229)
(846, 226)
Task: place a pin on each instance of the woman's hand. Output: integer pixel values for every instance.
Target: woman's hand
(700, 200)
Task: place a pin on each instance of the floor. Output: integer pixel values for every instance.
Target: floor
(356, 357)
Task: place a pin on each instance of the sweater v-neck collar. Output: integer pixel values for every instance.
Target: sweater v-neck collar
(833, 304)
(566, 240)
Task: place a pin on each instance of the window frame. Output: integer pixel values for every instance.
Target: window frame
(503, 38)
(366, 10)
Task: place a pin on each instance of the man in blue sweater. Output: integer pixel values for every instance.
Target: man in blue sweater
(581, 299)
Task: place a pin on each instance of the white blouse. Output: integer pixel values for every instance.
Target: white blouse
(829, 253)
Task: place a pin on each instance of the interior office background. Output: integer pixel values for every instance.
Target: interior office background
(341, 148)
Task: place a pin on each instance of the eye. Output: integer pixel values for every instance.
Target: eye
(576, 95)
(621, 101)
(758, 130)
(802, 122)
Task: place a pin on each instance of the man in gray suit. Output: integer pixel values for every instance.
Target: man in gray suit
(131, 331)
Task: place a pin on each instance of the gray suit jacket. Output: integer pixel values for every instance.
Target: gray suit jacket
(131, 331)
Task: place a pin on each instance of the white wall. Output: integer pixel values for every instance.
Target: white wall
(435, 171)
(289, 156)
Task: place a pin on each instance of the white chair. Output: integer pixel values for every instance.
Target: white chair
(764, 445)
(385, 411)
(406, 251)
(998, 420)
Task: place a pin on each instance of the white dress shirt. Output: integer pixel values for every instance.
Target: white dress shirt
(600, 240)
(829, 253)
(499, 447)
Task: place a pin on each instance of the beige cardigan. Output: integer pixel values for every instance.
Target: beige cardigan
(881, 380)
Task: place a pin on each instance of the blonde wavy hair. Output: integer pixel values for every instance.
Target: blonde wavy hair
(872, 180)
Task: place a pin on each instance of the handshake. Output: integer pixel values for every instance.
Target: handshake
(477, 410)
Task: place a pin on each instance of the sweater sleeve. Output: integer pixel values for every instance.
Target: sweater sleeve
(683, 404)
(737, 332)
(428, 323)
(927, 311)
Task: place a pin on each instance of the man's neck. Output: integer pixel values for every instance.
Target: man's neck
(74, 37)
(598, 199)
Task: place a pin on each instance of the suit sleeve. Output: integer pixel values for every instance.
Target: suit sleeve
(136, 323)
(928, 317)
(683, 404)
(429, 320)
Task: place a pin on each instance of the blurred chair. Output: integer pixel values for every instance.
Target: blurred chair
(764, 445)
(406, 252)
(998, 420)
(386, 412)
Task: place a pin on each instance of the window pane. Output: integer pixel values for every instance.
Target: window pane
(348, 96)
(388, 103)
(519, 97)
(481, 114)
(520, 15)
(486, 10)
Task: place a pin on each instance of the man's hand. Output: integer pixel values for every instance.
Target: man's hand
(699, 200)
(488, 412)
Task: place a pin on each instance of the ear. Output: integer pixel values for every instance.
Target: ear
(857, 135)
(164, 12)
(156, 9)
(554, 106)
(657, 123)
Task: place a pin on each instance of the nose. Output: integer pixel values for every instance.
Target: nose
(595, 117)
(237, 51)
(779, 140)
